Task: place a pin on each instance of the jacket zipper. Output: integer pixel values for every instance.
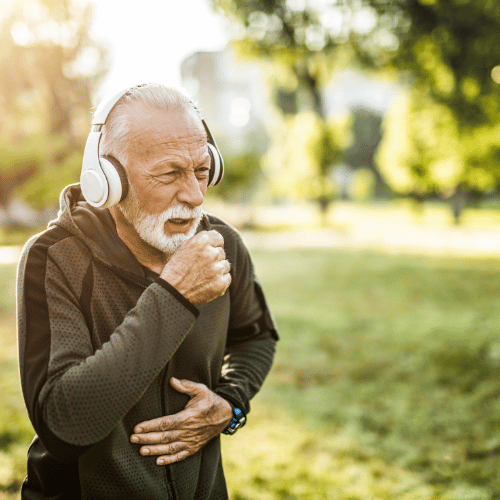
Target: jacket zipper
(143, 283)
(168, 471)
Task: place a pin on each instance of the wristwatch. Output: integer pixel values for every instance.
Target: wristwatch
(237, 421)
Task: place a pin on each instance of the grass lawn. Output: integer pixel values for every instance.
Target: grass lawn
(385, 385)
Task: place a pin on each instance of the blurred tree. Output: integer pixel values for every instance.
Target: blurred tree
(367, 134)
(424, 152)
(446, 48)
(243, 154)
(49, 69)
(302, 155)
(295, 37)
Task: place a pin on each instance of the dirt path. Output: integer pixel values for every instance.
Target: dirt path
(398, 240)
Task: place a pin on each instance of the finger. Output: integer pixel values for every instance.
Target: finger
(217, 252)
(223, 265)
(187, 386)
(214, 252)
(166, 423)
(215, 238)
(162, 449)
(226, 278)
(165, 437)
(171, 459)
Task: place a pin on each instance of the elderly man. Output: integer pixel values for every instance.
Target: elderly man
(143, 332)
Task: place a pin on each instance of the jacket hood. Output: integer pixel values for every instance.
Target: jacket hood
(96, 229)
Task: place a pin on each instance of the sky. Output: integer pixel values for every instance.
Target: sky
(148, 41)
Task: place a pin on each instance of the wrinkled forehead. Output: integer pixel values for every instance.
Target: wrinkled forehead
(137, 110)
(154, 132)
(150, 120)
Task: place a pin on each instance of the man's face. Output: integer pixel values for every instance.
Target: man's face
(168, 165)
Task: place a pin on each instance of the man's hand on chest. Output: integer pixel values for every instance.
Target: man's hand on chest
(176, 437)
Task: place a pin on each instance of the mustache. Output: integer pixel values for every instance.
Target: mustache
(182, 212)
(177, 212)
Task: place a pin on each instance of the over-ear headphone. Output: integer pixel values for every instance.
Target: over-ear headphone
(103, 179)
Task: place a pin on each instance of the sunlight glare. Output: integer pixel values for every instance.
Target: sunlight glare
(495, 74)
(20, 34)
(239, 115)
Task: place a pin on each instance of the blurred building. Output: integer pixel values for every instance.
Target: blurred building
(235, 99)
(232, 96)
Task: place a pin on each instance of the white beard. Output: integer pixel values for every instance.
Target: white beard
(151, 228)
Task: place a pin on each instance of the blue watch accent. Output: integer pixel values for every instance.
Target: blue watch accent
(237, 421)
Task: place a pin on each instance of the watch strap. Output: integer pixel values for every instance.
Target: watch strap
(239, 420)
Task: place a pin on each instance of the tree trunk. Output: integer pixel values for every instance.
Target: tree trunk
(10, 180)
(324, 205)
(317, 96)
(458, 201)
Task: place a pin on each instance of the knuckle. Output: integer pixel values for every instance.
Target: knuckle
(203, 238)
(214, 253)
(217, 236)
(192, 421)
(210, 254)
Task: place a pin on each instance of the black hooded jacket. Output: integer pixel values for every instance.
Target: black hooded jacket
(99, 337)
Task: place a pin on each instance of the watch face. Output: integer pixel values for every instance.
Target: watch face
(237, 421)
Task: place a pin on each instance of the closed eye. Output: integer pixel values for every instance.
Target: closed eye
(202, 172)
(167, 177)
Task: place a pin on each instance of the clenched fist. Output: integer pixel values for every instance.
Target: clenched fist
(199, 269)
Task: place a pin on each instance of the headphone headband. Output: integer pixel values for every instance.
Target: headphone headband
(104, 108)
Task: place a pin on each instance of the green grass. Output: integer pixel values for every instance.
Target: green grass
(15, 429)
(385, 384)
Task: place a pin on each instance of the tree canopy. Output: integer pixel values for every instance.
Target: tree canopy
(448, 47)
(445, 51)
(49, 69)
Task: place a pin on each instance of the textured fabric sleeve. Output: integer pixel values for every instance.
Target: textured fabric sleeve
(252, 333)
(76, 396)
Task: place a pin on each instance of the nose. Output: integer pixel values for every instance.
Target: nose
(190, 191)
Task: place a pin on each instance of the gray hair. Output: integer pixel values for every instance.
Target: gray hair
(115, 131)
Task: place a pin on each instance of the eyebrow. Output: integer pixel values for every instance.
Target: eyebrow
(178, 166)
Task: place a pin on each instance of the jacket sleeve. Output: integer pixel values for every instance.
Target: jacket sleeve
(76, 395)
(252, 332)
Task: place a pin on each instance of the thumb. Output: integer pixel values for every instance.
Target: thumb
(185, 386)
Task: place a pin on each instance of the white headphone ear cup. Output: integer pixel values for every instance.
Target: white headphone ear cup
(94, 187)
(92, 179)
(114, 183)
(216, 165)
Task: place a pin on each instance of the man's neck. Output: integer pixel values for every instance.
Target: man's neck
(146, 254)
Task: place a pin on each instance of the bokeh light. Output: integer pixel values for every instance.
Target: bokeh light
(239, 115)
(495, 74)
